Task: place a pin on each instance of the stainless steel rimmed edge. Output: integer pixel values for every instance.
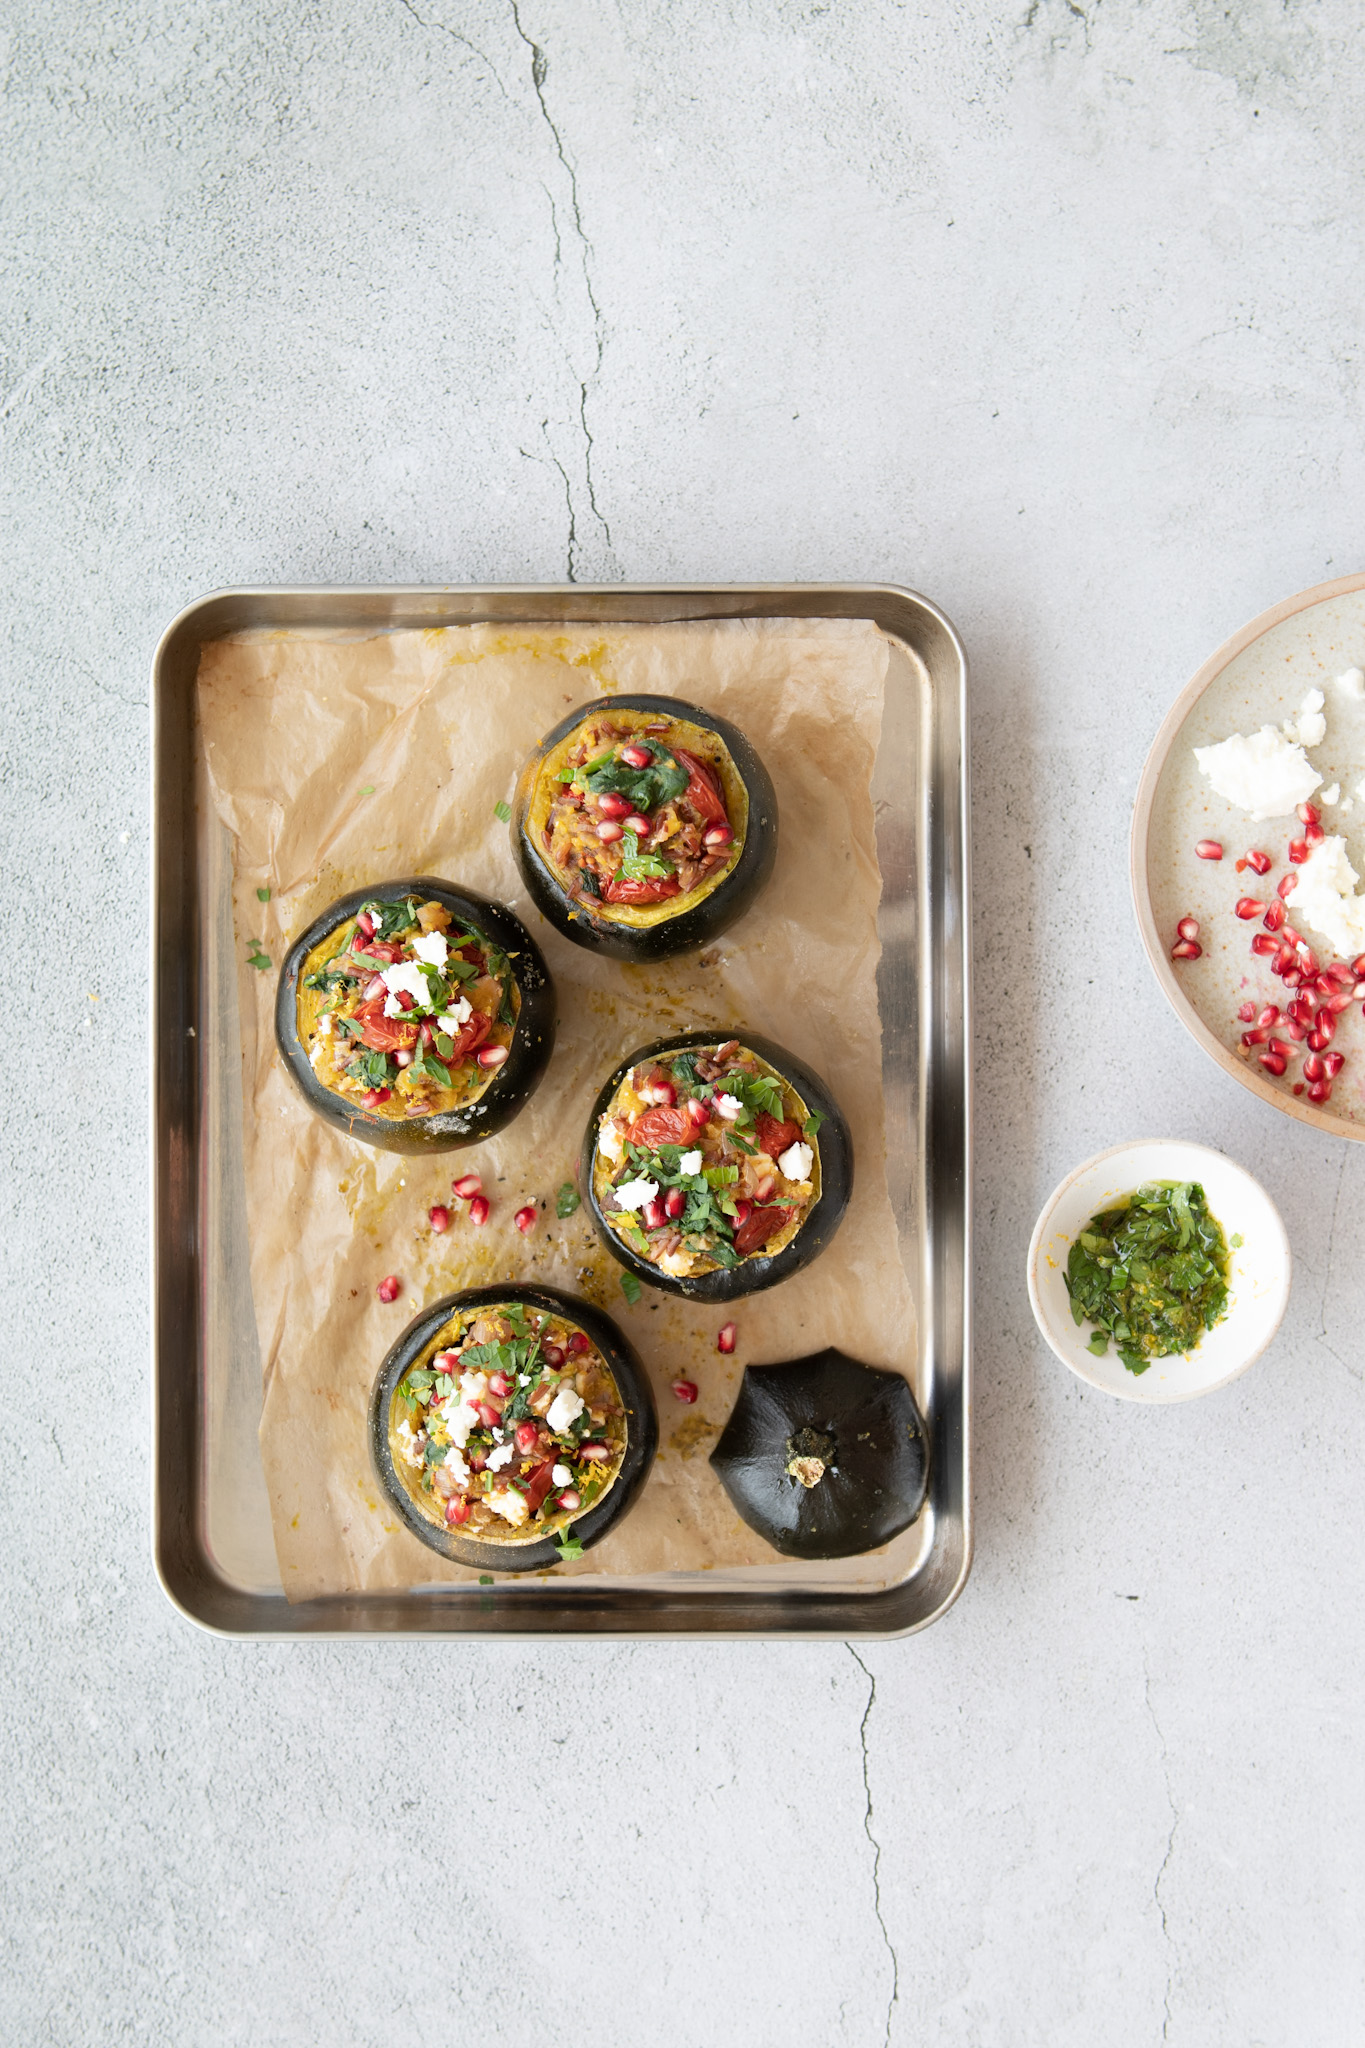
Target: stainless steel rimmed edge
(184, 1561)
(1139, 847)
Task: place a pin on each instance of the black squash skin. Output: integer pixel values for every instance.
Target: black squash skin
(642, 1429)
(707, 919)
(515, 1080)
(822, 1219)
(877, 1482)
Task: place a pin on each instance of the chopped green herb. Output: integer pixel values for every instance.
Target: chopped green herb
(812, 1123)
(568, 1546)
(257, 956)
(262, 895)
(1151, 1272)
(445, 1044)
(368, 789)
(630, 1287)
(502, 811)
(485, 1578)
(646, 788)
(567, 1200)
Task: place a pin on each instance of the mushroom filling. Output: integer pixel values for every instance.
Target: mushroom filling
(639, 814)
(404, 1012)
(705, 1158)
(509, 1426)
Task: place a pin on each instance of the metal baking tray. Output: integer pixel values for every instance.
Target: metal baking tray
(212, 1540)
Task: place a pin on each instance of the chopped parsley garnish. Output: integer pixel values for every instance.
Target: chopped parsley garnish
(637, 866)
(1151, 1273)
(568, 1546)
(646, 788)
(502, 811)
(257, 956)
(630, 1287)
(567, 1200)
(262, 895)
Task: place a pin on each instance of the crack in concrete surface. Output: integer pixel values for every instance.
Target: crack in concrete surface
(443, 28)
(876, 1845)
(540, 71)
(1167, 1936)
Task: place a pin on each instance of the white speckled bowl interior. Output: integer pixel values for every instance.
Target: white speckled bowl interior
(1259, 1275)
(1259, 677)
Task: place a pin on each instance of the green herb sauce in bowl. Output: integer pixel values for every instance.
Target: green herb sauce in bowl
(1151, 1273)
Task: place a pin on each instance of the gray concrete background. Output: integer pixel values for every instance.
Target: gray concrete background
(1050, 309)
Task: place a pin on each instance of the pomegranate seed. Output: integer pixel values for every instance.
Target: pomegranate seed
(1334, 1062)
(477, 1460)
(1274, 916)
(1258, 861)
(717, 835)
(1326, 1024)
(1247, 907)
(525, 1220)
(743, 1210)
(499, 1384)
(1256, 1037)
(1339, 1002)
(1186, 949)
(490, 1413)
(1286, 886)
(1247, 1013)
(1314, 1067)
(445, 1361)
(1188, 928)
(609, 832)
(365, 924)
(595, 1454)
(1358, 967)
(613, 805)
(1289, 1052)
(1209, 849)
(478, 1211)
(636, 757)
(571, 1498)
(578, 1344)
(654, 1214)
(1319, 1040)
(425, 1032)
(1297, 1031)
(468, 1184)
(1309, 814)
(457, 1511)
(1286, 961)
(389, 1288)
(656, 1087)
(1298, 1087)
(372, 1098)
(1340, 973)
(1315, 835)
(438, 1216)
(726, 1336)
(765, 1190)
(1298, 851)
(636, 824)
(685, 1390)
(526, 1437)
(1319, 1091)
(375, 986)
(675, 1201)
(1307, 957)
(489, 1056)
(1273, 1062)
(552, 1354)
(402, 1059)
(1269, 1015)
(698, 1113)
(1265, 944)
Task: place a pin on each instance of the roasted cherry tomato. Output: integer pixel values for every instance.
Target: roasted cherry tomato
(774, 1137)
(757, 1228)
(662, 1126)
(381, 1033)
(472, 1032)
(640, 889)
(703, 790)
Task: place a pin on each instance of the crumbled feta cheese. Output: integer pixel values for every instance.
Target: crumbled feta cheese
(1351, 683)
(728, 1106)
(407, 979)
(503, 1455)
(1330, 796)
(459, 1013)
(1308, 727)
(679, 1264)
(795, 1162)
(565, 1408)
(461, 1416)
(433, 947)
(561, 1475)
(510, 1505)
(633, 1194)
(408, 1448)
(1265, 775)
(1348, 803)
(456, 1466)
(325, 1023)
(690, 1162)
(610, 1143)
(1324, 896)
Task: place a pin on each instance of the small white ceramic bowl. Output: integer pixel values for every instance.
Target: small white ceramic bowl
(1260, 1268)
